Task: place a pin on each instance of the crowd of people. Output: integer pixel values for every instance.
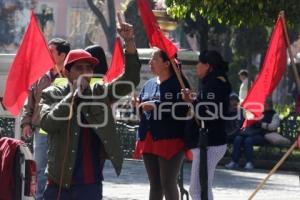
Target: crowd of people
(74, 130)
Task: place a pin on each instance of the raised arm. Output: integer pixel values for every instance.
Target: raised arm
(131, 77)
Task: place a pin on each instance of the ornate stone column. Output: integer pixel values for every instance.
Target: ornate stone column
(166, 23)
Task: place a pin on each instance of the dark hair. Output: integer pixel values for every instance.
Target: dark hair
(215, 60)
(234, 96)
(243, 72)
(164, 56)
(62, 46)
(97, 52)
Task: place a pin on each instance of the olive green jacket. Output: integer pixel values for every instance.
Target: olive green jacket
(55, 109)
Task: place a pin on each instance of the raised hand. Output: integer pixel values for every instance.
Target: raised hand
(135, 101)
(79, 85)
(187, 95)
(125, 31)
(147, 106)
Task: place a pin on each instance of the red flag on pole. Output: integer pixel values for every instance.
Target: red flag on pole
(32, 60)
(272, 70)
(116, 68)
(155, 35)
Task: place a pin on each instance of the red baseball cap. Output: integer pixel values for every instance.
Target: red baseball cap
(79, 55)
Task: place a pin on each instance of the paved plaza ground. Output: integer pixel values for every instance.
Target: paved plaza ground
(228, 185)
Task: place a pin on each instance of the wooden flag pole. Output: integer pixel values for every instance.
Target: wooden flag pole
(178, 74)
(290, 150)
(294, 67)
(58, 71)
(295, 71)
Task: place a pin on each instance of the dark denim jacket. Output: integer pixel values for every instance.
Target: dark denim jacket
(160, 122)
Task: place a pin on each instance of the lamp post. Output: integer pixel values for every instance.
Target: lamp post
(45, 16)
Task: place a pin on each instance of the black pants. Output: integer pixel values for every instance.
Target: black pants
(163, 175)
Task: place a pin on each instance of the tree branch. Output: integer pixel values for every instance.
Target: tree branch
(112, 22)
(100, 17)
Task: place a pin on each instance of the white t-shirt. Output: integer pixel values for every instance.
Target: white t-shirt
(243, 90)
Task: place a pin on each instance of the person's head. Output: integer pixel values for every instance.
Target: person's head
(234, 100)
(59, 48)
(79, 62)
(211, 62)
(243, 74)
(160, 63)
(97, 52)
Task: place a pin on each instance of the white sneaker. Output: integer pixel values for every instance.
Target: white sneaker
(249, 166)
(232, 165)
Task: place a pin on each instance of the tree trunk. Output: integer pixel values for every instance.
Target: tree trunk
(227, 50)
(203, 41)
(109, 29)
(112, 27)
(202, 38)
(132, 16)
(202, 34)
(250, 75)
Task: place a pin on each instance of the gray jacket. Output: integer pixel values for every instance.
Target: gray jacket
(31, 111)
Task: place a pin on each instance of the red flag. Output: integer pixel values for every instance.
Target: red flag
(155, 35)
(298, 141)
(116, 68)
(273, 69)
(32, 60)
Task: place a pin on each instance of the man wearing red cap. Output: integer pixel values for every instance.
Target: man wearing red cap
(79, 122)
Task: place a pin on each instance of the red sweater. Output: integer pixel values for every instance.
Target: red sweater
(8, 148)
(164, 148)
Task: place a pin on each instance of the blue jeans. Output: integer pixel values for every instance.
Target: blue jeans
(75, 192)
(40, 148)
(245, 142)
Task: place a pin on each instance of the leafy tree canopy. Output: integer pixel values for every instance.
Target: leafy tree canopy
(247, 13)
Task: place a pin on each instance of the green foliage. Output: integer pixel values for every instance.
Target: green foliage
(284, 110)
(249, 13)
(237, 63)
(245, 47)
(249, 41)
(250, 22)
